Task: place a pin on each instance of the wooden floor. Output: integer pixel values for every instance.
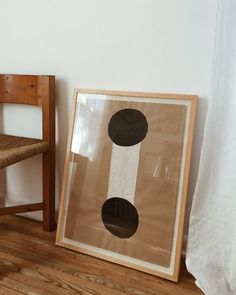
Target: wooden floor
(31, 264)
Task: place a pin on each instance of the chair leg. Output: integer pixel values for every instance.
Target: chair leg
(49, 190)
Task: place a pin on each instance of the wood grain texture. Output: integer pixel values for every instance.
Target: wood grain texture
(21, 208)
(19, 89)
(47, 96)
(30, 263)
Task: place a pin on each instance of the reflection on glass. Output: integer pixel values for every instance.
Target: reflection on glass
(138, 219)
(86, 128)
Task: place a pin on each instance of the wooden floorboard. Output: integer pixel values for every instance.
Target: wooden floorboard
(31, 264)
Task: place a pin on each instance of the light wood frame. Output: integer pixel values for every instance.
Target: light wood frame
(192, 99)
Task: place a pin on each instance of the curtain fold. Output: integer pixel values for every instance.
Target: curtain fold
(211, 251)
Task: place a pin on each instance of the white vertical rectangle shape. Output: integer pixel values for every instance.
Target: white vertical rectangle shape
(123, 172)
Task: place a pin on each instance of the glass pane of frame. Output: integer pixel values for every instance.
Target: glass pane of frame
(126, 176)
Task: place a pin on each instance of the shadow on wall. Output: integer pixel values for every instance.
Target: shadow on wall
(2, 171)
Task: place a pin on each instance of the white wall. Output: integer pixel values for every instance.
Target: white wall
(137, 45)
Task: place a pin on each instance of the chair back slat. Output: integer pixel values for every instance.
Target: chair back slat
(36, 90)
(21, 89)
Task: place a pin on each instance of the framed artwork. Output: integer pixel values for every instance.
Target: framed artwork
(125, 178)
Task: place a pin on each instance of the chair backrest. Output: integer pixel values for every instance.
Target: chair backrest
(36, 90)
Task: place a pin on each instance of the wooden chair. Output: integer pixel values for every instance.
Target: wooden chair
(38, 91)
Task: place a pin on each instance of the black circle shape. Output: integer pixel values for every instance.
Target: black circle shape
(120, 217)
(127, 127)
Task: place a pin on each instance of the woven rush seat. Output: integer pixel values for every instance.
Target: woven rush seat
(14, 149)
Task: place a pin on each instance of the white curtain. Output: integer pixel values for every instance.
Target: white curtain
(211, 253)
